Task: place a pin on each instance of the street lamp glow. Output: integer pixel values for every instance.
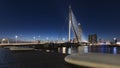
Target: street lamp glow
(39, 36)
(63, 39)
(16, 37)
(114, 38)
(34, 38)
(79, 24)
(57, 38)
(46, 38)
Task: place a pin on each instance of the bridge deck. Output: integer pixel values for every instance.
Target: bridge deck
(19, 44)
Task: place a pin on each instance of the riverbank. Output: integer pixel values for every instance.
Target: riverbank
(94, 60)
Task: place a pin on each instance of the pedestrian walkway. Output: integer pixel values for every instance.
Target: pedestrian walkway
(94, 60)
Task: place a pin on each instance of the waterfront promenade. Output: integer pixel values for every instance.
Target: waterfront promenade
(94, 60)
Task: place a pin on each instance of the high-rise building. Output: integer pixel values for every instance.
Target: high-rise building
(92, 38)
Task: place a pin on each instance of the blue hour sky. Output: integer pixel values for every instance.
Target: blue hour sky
(49, 18)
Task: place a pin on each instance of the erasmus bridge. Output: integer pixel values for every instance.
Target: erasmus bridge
(74, 27)
(82, 58)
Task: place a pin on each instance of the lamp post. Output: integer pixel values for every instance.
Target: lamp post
(47, 39)
(63, 39)
(16, 37)
(39, 37)
(34, 38)
(115, 40)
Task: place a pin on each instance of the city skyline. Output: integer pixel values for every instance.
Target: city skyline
(44, 18)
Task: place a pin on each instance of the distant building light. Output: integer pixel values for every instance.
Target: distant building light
(114, 38)
(78, 23)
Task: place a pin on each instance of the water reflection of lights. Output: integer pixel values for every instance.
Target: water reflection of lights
(59, 50)
(114, 50)
(64, 50)
(47, 50)
(85, 49)
(69, 50)
(102, 48)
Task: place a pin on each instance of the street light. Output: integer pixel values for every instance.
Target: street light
(115, 40)
(39, 36)
(47, 39)
(16, 37)
(63, 39)
(34, 38)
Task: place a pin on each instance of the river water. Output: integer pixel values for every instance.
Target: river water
(41, 58)
(90, 49)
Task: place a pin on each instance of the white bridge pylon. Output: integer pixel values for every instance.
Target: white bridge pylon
(76, 28)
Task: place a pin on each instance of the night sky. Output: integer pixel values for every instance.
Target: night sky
(49, 18)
